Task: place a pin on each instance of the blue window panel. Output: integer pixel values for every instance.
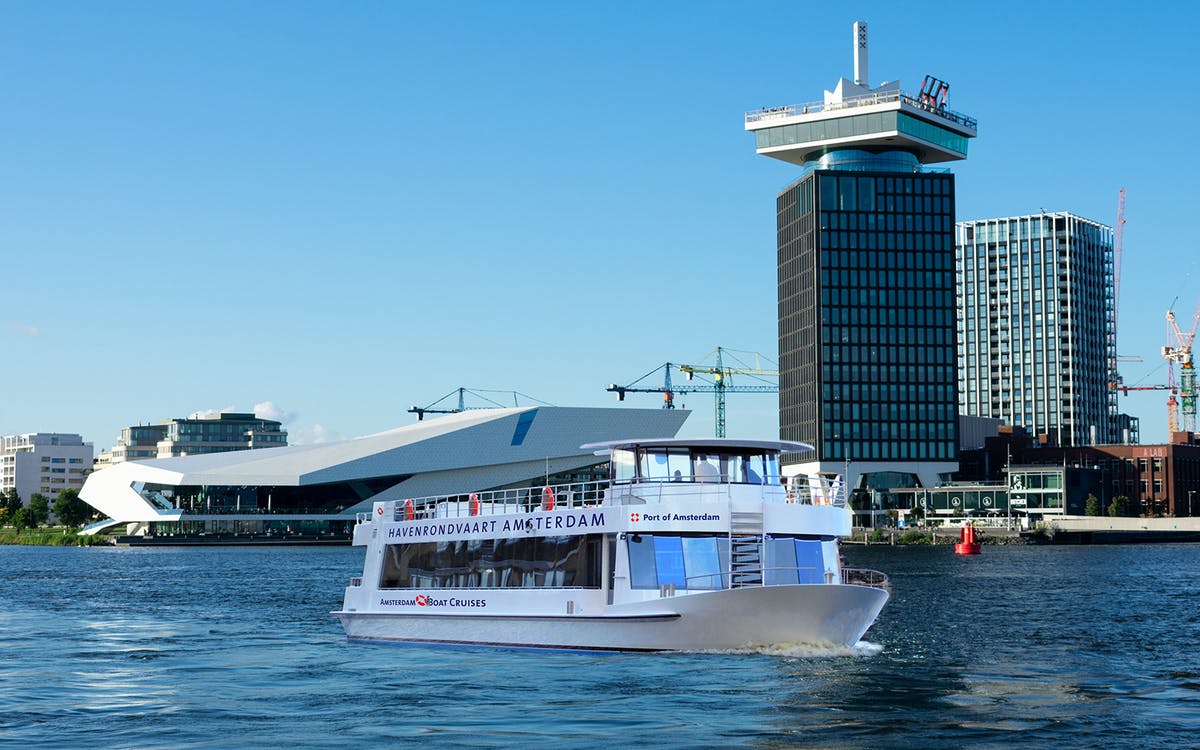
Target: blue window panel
(781, 562)
(810, 561)
(668, 555)
(642, 574)
(523, 424)
(703, 563)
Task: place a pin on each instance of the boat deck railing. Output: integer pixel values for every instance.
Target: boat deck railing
(716, 489)
(866, 577)
(504, 502)
(776, 575)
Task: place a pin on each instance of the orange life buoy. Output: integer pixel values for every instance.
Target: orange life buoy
(474, 504)
(409, 511)
(547, 498)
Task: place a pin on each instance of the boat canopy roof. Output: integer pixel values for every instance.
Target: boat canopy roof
(729, 445)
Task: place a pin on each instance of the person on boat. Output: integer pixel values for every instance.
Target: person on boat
(704, 471)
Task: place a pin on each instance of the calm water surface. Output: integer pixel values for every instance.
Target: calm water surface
(225, 647)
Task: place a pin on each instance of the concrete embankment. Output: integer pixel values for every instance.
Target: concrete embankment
(938, 535)
(1061, 530)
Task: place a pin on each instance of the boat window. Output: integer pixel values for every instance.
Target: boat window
(643, 574)
(661, 464)
(794, 560)
(666, 465)
(771, 468)
(702, 560)
(706, 468)
(624, 466)
(494, 563)
(749, 469)
(657, 560)
(668, 558)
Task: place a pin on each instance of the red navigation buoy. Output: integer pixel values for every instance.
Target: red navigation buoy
(967, 544)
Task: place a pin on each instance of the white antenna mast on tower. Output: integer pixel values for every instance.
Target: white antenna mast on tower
(860, 53)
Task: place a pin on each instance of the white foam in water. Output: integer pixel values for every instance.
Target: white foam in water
(807, 650)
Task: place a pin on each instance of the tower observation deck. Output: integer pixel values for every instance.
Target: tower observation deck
(857, 123)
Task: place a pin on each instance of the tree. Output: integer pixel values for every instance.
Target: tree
(69, 509)
(38, 510)
(1118, 505)
(12, 501)
(1092, 507)
(20, 519)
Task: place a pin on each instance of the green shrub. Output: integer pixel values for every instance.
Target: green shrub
(915, 537)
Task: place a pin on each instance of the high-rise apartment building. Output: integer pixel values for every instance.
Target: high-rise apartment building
(1035, 326)
(43, 463)
(866, 277)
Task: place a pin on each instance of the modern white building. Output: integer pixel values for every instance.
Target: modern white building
(44, 463)
(320, 488)
(1035, 299)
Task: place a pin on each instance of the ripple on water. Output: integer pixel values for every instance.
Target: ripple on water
(1025, 646)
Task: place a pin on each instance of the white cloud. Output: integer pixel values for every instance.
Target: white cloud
(24, 330)
(317, 433)
(209, 413)
(271, 410)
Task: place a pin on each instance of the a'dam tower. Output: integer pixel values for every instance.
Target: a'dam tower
(866, 277)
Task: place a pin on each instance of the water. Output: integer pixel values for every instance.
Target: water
(227, 647)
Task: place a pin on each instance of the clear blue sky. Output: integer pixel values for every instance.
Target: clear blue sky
(344, 209)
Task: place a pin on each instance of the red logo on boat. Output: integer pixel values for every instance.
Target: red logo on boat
(634, 517)
(379, 510)
(420, 600)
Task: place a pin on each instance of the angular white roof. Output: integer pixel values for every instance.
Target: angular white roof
(456, 453)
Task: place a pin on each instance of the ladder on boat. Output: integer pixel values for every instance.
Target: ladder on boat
(745, 549)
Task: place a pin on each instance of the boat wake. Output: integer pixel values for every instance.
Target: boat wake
(806, 650)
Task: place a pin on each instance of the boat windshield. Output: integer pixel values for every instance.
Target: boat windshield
(701, 464)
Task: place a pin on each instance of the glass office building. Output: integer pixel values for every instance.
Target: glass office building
(1035, 326)
(866, 315)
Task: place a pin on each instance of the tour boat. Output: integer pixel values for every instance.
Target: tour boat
(691, 545)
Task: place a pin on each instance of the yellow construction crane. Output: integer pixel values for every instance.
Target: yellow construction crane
(1179, 349)
(720, 385)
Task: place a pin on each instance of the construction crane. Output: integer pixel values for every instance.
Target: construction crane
(1114, 376)
(433, 408)
(718, 386)
(721, 382)
(1179, 349)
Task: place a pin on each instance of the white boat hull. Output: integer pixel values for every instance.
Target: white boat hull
(819, 614)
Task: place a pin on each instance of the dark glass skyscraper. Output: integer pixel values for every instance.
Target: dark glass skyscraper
(866, 278)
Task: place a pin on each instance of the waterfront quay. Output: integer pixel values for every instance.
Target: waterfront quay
(1060, 530)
